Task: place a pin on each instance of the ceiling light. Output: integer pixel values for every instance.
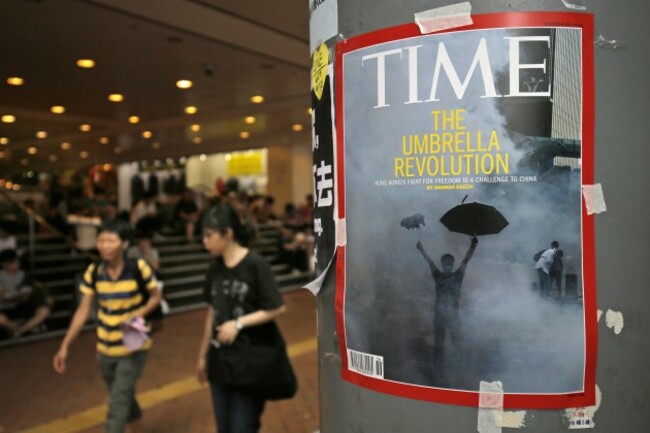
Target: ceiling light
(190, 109)
(257, 99)
(184, 84)
(84, 127)
(15, 81)
(66, 145)
(86, 63)
(197, 140)
(155, 145)
(203, 157)
(106, 167)
(8, 118)
(297, 127)
(52, 158)
(249, 120)
(134, 119)
(41, 134)
(146, 134)
(4, 141)
(244, 134)
(195, 127)
(57, 109)
(104, 140)
(32, 150)
(84, 154)
(115, 97)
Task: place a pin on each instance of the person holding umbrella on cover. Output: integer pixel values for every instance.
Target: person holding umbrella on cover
(446, 319)
(473, 219)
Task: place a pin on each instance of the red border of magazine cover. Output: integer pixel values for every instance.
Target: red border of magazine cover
(461, 397)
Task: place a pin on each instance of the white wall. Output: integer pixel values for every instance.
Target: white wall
(302, 178)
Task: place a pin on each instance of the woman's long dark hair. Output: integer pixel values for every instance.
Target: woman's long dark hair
(222, 217)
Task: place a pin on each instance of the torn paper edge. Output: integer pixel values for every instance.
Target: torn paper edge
(614, 320)
(570, 5)
(594, 198)
(443, 18)
(572, 415)
(315, 285)
(602, 42)
(514, 419)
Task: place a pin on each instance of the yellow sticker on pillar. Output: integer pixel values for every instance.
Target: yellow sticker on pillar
(319, 69)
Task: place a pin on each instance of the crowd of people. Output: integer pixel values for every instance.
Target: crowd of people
(25, 303)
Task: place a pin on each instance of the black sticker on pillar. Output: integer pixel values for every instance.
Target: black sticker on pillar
(323, 177)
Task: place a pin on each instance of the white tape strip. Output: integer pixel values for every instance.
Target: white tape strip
(443, 18)
(341, 233)
(490, 402)
(491, 417)
(614, 319)
(594, 198)
(599, 313)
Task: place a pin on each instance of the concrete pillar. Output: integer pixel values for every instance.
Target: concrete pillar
(280, 166)
(622, 156)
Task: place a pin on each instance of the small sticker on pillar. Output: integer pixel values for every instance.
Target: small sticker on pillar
(319, 69)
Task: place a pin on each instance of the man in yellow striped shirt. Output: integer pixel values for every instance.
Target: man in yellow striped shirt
(121, 289)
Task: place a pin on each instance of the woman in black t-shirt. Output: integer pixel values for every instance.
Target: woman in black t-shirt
(244, 299)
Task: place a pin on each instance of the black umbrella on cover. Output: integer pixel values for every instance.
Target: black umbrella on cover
(474, 219)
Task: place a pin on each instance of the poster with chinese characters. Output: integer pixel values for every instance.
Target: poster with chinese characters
(323, 151)
(469, 254)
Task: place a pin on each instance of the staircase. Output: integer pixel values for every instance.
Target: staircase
(183, 267)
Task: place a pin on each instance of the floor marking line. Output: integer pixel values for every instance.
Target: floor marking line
(147, 399)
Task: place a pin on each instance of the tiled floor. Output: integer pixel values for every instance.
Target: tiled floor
(34, 399)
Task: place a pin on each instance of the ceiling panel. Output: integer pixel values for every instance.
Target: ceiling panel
(141, 58)
(289, 16)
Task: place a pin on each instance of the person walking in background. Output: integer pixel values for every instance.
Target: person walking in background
(448, 286)
(543, 266)
(243, 300)
(125, 295)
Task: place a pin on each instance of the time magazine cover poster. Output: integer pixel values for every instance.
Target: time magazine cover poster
(469, 253)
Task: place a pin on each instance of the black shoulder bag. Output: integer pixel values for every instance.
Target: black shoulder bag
(254, 365)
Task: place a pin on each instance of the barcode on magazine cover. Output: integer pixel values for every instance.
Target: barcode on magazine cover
(366, 364)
